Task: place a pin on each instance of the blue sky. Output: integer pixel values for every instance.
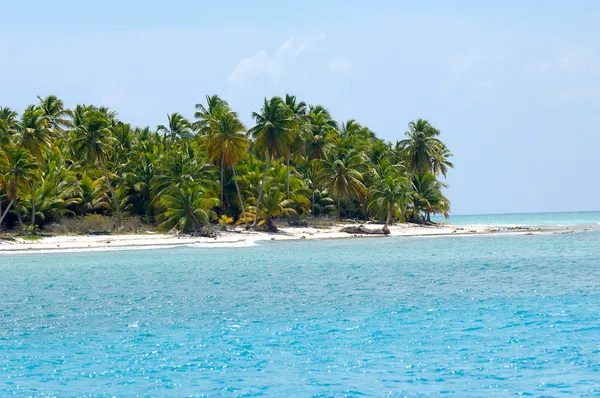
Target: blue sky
(514, 86)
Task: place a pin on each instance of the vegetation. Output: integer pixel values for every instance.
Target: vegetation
(296, 161)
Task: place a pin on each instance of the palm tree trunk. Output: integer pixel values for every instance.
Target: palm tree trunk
(339, 208)
(6, 211)
(19, 218)
(222, 178)
(287, 183)
(33, 205)
(260, 192)
(112, 192)
(313, 204)
(237, 188)
(197, 222)
(388, 220)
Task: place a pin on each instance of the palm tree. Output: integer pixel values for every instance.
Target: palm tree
(186, 208)
(274, 205)
(92, 142)
(35, 131)
(8, 125)
(54, 108)
(428, 197)
(298, 110)
(390, 194)
(177, 127)
(204, 114)
(58, 189)
(343, 177)
(92, 195)
(441, 161)
(226, 143)
(273, 133)
(19, 170)
(421, 146)
(179, 168)
(36, 135)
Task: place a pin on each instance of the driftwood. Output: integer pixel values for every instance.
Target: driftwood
(361, 229)
(205, 233)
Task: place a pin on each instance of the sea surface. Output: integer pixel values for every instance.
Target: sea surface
(493, 316)
(576, 218)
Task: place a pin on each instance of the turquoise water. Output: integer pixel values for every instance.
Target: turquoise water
(580, 218)
(460, 316)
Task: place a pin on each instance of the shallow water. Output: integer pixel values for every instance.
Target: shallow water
(578, 218)
(471, 315)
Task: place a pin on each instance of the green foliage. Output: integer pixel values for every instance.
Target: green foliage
(83, 167)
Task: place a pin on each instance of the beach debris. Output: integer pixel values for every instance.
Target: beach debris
(361, 229)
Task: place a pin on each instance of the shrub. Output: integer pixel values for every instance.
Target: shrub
(98, 224)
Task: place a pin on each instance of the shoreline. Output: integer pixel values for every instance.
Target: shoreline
(242, 238)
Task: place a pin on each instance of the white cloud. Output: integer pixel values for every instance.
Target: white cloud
(262, 63)
(340, 66)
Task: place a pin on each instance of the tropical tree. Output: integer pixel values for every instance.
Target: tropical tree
(226, 143)
(55, 110)
(19, 169)
(204, 114)
(58, 190)
(390, 194)
(92, 142)
(342, 175)
(35, 134)
(178, 127)
(421, 146)
(93, 196)
(298, 110)
(428, 197)
(8, 125)
(187, 208)
(274, 205)
(273, 134)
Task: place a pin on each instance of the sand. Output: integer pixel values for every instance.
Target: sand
(237, 238)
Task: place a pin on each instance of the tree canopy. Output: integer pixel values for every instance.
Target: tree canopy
(295, 161)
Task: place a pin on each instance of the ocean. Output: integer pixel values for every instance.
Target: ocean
(576, 218)
(458, 316)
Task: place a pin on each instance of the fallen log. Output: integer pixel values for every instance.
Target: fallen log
(361, 229)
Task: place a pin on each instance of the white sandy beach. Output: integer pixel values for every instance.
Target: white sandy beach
(239, 237)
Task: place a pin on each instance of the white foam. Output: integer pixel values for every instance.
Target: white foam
(246, 243)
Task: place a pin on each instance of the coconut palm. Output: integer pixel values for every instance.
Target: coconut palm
(428, 197)
(226, 143)
(19, 168)
(273, 134)
(390, 194)
(178, 127)
(441, 161)
(93, 140)
(204, 114)
(54, 108)
(179, 168)
(274, 205)
(298, 109)
(342, 175)
(187, 208)
(8, 125)
(58, 190)
(35, 134)
(322, 204)
(93, 196)
(421, 146)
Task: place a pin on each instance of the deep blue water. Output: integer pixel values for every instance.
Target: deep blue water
(460, 316)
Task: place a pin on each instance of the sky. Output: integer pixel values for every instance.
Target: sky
(514, 86)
